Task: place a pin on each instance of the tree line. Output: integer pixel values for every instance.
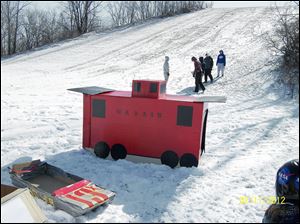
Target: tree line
(24, 28)
(284, 39)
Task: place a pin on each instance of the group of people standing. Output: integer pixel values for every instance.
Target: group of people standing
(202, 67)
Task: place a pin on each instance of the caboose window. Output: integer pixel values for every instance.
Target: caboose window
(137, 86)
(153, 87)
(184, 116)
(163, 88)
(98, 108)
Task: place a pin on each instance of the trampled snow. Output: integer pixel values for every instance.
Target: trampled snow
(248, 138)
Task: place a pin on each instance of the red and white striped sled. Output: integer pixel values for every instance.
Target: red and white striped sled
(63, 190)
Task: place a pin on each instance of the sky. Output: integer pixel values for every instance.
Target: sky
(229, 4)
(45, 4)
(217, 4)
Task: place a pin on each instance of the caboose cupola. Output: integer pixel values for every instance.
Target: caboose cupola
(148, 88)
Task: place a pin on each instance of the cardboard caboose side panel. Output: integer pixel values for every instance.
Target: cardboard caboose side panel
(6, 189)
(147, 127)
(87, 93)
(86, 121)
(18, 205)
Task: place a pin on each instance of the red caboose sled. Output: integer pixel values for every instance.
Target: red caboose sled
(145, 123)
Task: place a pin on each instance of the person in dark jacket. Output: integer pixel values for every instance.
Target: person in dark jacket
(198, 75)
(202, 66)
(221, 63)
(282, 213)
(208, 65)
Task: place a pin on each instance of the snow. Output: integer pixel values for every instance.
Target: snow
(248, 138)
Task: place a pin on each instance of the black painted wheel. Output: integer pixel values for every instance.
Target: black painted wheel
(169, 158)
(188, 160)
(118, 151)
(101, 149)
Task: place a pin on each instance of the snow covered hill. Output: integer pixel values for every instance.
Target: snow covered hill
(248, 138)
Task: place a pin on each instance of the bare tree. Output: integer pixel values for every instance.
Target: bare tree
(117, 12)
(7, 12)
(26, 29)
(19, 7)
(33, 25)
(3, 29)
(66, 22)
(130, 11)
(83, 14)
(10, 13)
(285, 40)
(50, 33)
(144, 9)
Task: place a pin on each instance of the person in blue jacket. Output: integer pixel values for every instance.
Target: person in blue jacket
(221, 63)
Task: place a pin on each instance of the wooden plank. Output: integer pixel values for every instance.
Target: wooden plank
(213, 99)
(20, 207)
(91, 90)
(6, 189)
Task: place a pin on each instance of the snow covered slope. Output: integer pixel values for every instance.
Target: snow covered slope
(248, 138)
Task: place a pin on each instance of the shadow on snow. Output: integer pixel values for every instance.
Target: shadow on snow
(143, 189)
